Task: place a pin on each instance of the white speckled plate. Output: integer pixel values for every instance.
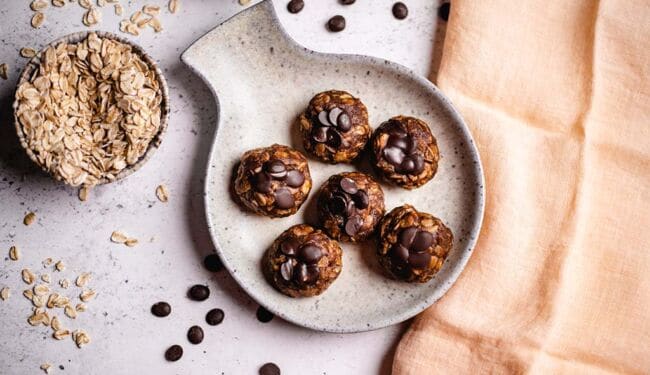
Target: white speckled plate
(262, 80)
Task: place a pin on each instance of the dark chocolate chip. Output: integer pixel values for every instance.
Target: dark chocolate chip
(334, 115)
(320, 134)
(295, 6)
(394, 155)
(264, 315)
(344, 123)
(400, 254)
(195, 335)
(423, 240)
(361, 199)
(213, 263)
(333, 138)
(419, 260)
(348, 185)
(407, 166)
(347, 2)
(214, 317)
(310, 254)
(418, 161)
(289, 246)
(323, 119)
(400, 11)
(286, 270)
(406, 236)
(269, 369)
(295, 178)
(443, 11)
(161, 309)
(336, 205)
(276, 169)
(350, 207)
(402, 143)
(336, 23)
(284, 199)
(174, 353)
(199, 293)
(353, 225)
(305, 274)
(262, 183)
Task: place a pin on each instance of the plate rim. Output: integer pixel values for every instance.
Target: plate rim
(468, 249)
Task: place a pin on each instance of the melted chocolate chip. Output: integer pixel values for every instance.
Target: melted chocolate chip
(401, 151)
(423, 240)
(407, 166)
(350, 208)
(348, 185)
(284, 199)
(195, 335)
(353, 225)
(269, 369)
(333, 138)
(289, 246)
(295, 178)
(336, 23)
(286, 270)
(310, 254)
(419, 260)
(199, 293)
(161, 309)
(214, 317)
(174, 353)
(411, 248)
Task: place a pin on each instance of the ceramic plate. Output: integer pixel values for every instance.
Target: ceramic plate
(262, 80)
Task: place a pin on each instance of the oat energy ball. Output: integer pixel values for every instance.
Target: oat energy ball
(89, 110)
(405, 152)
(350, 206)
(302, 262)
(334, 127)
(412, 245)
(273, 181)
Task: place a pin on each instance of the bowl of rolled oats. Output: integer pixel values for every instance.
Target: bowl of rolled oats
(91, 108)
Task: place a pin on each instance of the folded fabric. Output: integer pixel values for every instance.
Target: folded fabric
(557, 95)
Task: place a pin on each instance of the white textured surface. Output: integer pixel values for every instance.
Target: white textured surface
(127, 339)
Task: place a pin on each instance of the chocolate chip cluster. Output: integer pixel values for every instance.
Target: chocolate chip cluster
(273, 181)
(350, 205)
(302, 261)
(329, 126)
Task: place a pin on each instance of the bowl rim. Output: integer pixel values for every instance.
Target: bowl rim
(77, 37)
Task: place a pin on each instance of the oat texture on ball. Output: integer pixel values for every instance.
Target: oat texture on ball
(89, 110)
(272, 181)
(404, 152)
(412, 245)
(350, 206)
(302, 261)
(334, 127)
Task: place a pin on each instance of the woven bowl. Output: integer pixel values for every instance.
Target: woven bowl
(163, 91)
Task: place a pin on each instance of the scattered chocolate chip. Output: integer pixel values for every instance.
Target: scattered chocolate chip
(289, 246)
(400, 11)
(353, 225)
(295, 178)
(214, 317)
(174, 353)
(310, 254)
(423, 240)
(161, 309)
(264, 315)
(295, 6)
(348, 185)
(284, 199)
(199, 293)
(213, 263)
(443, 11)
(419, 260)
(336, 23)
(269, 369)
(195, 335)
(286, 270)
(347, 2)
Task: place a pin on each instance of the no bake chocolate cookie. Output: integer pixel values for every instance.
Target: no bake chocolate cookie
(350, 206)
(302, 261)
(405, 152)
(412, 245)
(334, 127)
(273, 181)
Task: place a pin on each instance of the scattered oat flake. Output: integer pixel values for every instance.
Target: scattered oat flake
(152, 10)
(55, 323)
(29, 218)
(86, 4)
(162, 193)
(92, 17)
(27, 52)
(131, 242)
(47, 262)
(46, 367)
(81, 307)
(28, 293)
(118, 237)
(70, 312)
(41, 289)
(28, 276)
(156, 25)
(83, 193)
(80, 338)
(39, 301)
(37, 20)
(61, 334)
(244, 2)
(3, 71)
(119, 10)
(59, 266)
(135, 17)
(87, 295)
(39, 316)
(58, 3)
(45, 277)
(5, 293)
(101, 3)
(14, 253)
(64, 283)
(143, 22)
(173, 6)
(51, 299)
(83, 279)
(37, 5)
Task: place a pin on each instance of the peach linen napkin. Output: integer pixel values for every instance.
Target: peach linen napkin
(557, 95)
